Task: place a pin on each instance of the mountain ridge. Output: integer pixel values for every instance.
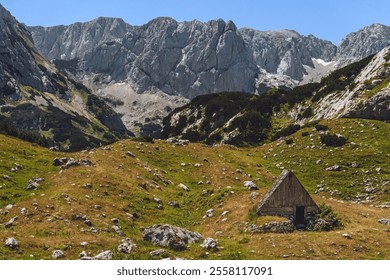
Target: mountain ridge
(41, 104)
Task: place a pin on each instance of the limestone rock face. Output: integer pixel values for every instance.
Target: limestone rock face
(362, 43)
(39, 101)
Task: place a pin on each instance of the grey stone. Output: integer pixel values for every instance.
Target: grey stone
(174, 204)
(106, 255)
(346, 236)
(57, 254)
(184, 187)
(210, 213)
(126, 246)
(11, 222)
(384, 221)
(209, 244)
(170, 236)
(250, 185)
(157, 252)
(333, 168)
(355, 164)
(130, 154)
(12, 243)
(34, 183)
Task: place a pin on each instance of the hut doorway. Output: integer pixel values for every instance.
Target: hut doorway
(300, 215)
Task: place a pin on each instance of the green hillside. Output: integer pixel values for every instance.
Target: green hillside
(119, 185)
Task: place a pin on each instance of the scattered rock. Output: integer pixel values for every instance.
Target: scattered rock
(9, 206)
(12, 243)
(333, 168)
(209, 244)
(158, 201)
(126, 246)
(11, 222)
(84, 243)
(254, 195)
(34, 183)
(88, 223)
(224, 213)
(209, 213)
(384, 221)
(157, 252)
(130, 154)
(250, 185)
(68, 162)
(346, 236)
(370, 190)
(115, 220)
(355, 164)
(319, 161)
(84, 256)
(184, 187)
(106, 255)
(197, 165)
(174, 204)
(170, 236)
(57, 254)
(118, 230)
(176, 141)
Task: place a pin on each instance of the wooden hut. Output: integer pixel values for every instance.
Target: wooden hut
(288, 198)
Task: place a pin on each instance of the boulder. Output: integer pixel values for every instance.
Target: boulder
(106, 255)
(250, 185)
(333, 168)
(184, 187)
(57, 254)
(209, 244)
(384, 221)
(157, 252)
(34, 183)
(126, 246)
(174, 204)
(170, 236)
(210, 213)
(12, 243)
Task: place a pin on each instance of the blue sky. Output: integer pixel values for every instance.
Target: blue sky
(327, 19)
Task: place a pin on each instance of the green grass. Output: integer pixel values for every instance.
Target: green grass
(122, 185)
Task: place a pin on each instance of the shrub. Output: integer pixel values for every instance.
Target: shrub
(333, 140)
(286, 131)
(321, 127)
(305, 133)
(326, 219)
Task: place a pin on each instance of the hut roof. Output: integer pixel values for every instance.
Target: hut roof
(286, 191)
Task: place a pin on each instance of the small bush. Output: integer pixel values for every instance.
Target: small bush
(305, 133)
(286, 131)
(333, 140)
(321, 127)
(325, 219)
(289, 141)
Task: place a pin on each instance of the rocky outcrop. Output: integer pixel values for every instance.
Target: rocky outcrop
(77, 39)
(40, 104)
(362, 43)
(286, 52)
(170, 236)
(165, 59)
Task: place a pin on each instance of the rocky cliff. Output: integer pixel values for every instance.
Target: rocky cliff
(38, 103)
(167, 58)
(359, 90)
